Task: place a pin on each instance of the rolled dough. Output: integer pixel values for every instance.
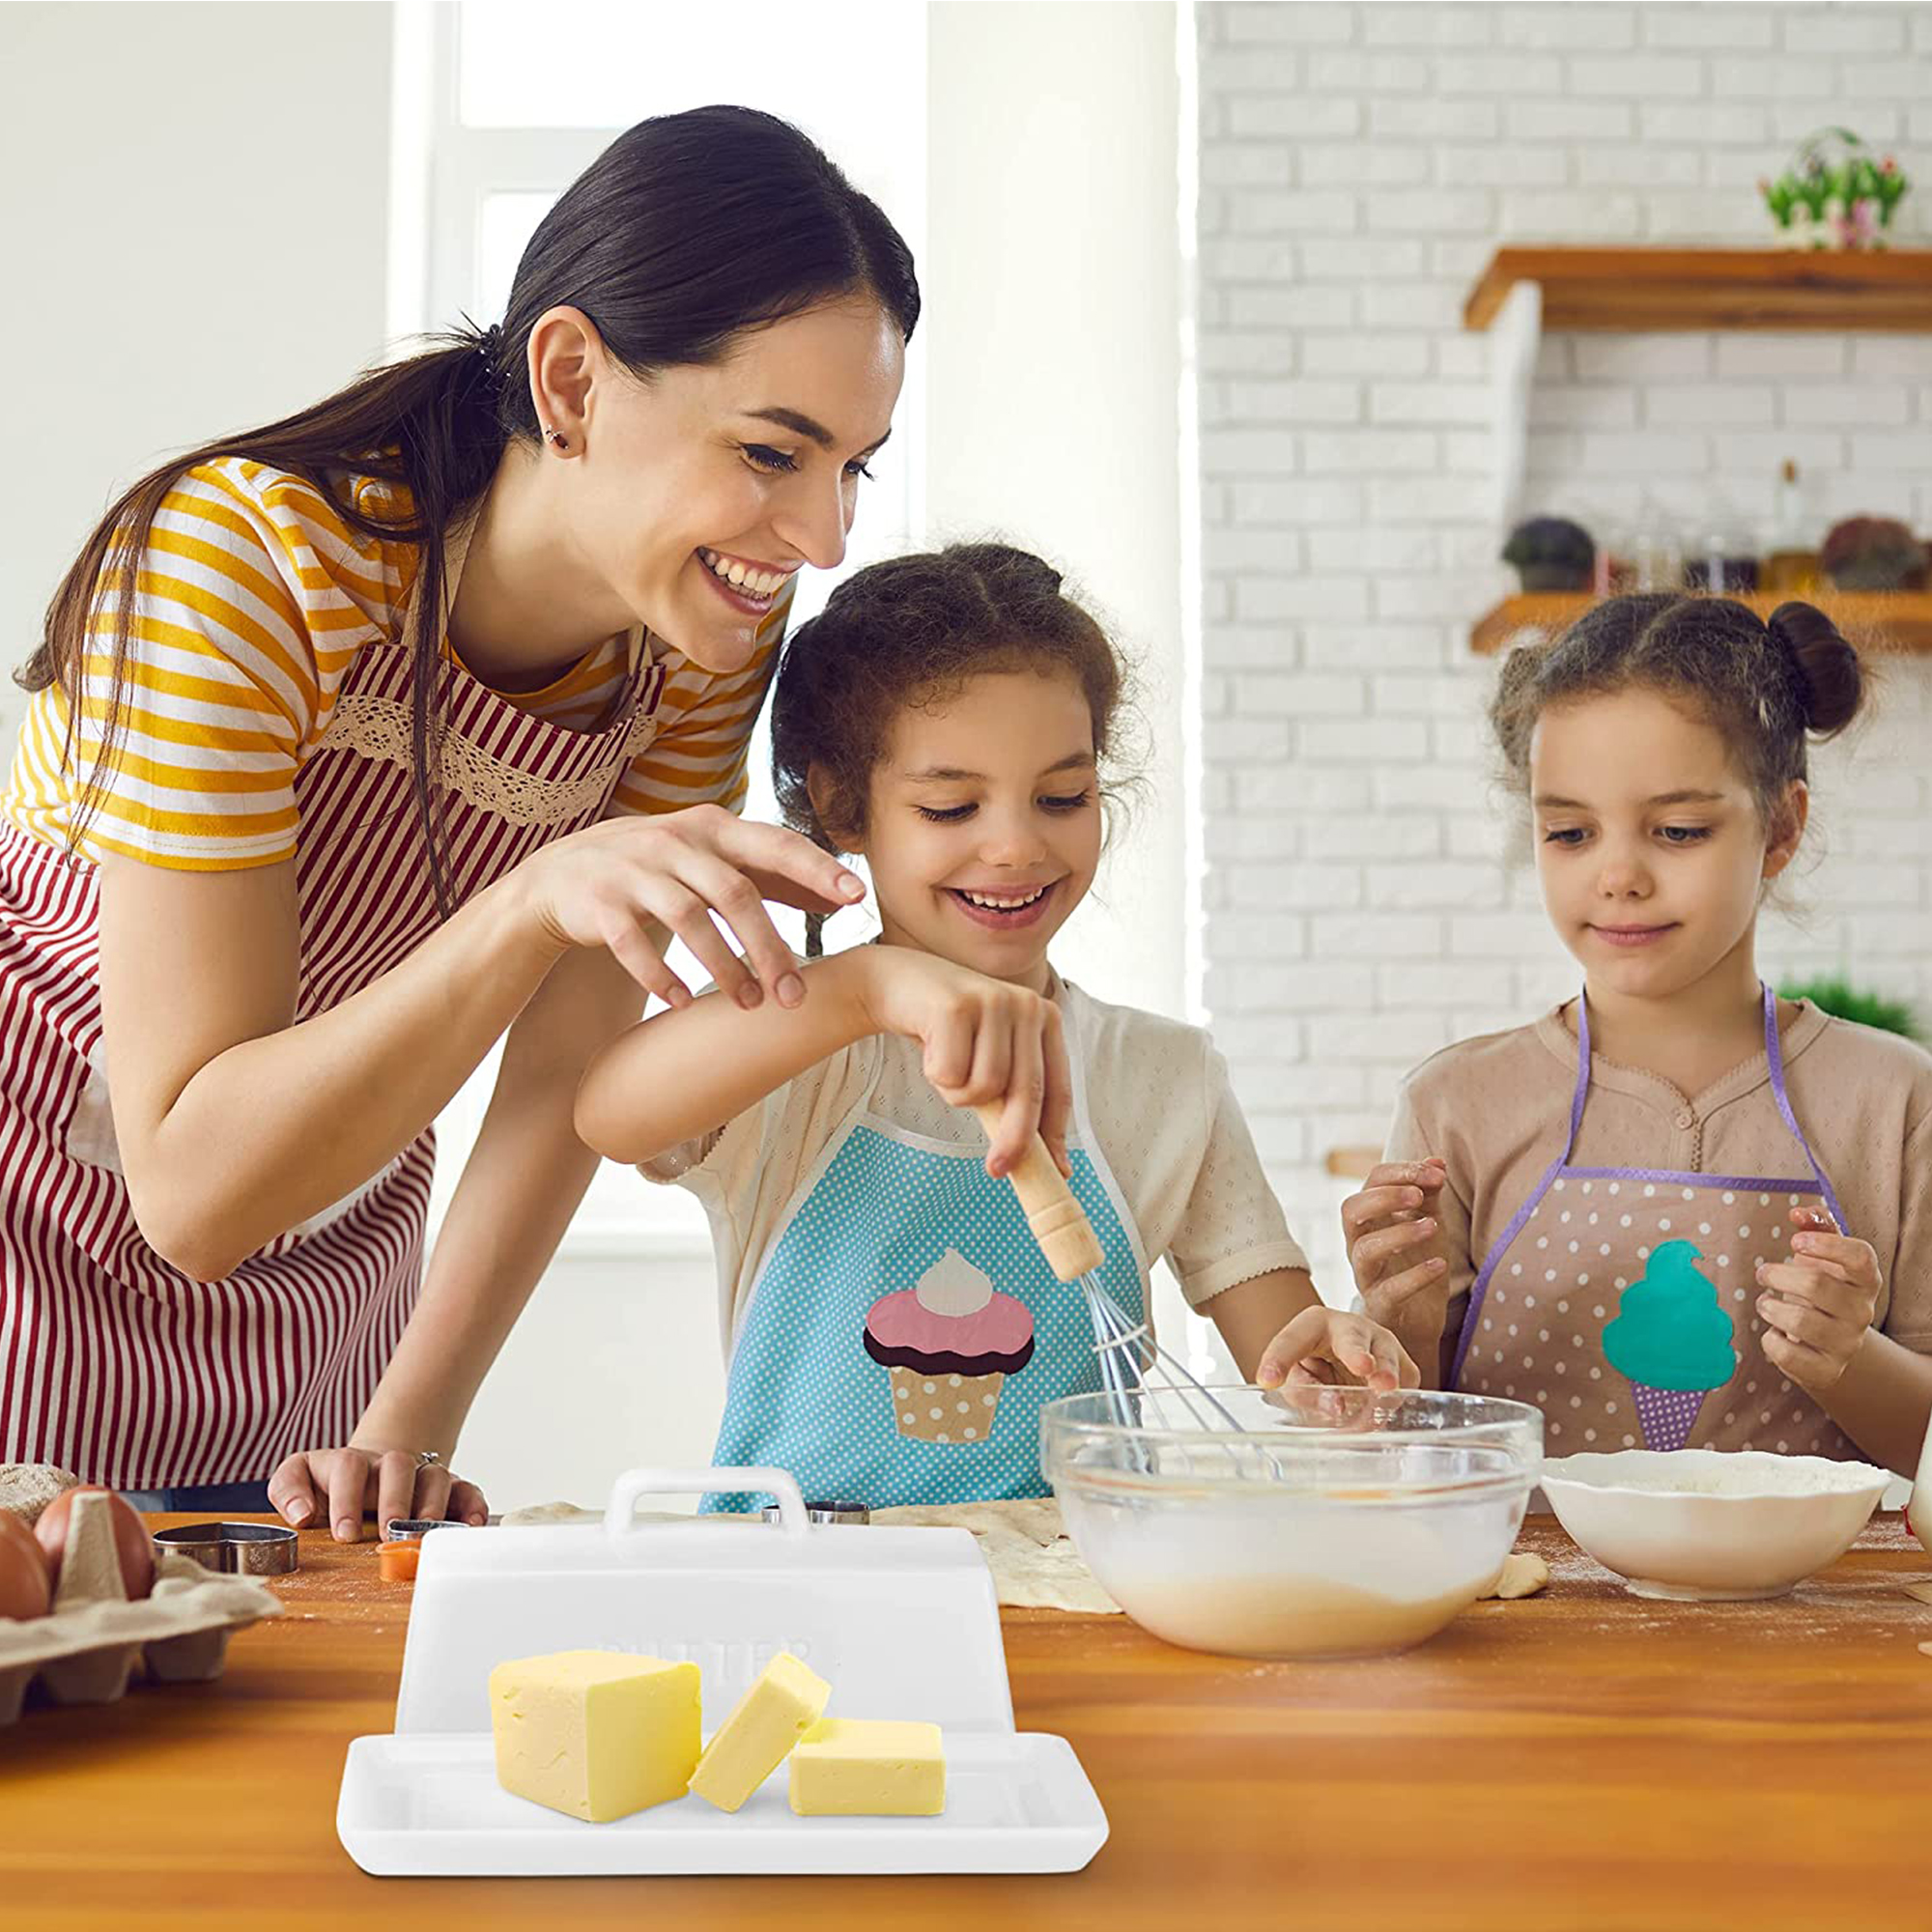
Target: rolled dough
(28, 1488)
(1521, 1576)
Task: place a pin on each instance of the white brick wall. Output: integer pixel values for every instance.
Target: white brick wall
(1359, 163)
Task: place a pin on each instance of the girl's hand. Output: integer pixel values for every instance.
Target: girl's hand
(1819, 1305)
(336, 1485)
(611, 883)
(985, 1043)
(1386, 1224)
(1327, 1346)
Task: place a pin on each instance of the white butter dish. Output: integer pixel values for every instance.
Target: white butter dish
(903, 1623)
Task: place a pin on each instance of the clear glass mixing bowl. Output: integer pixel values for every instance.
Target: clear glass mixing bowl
(1326, 1522)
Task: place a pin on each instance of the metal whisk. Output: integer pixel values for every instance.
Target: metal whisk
(1124, 1349)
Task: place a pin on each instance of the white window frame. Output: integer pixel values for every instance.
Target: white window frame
(442, 172)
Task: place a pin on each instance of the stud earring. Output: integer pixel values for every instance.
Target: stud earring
(555, 435)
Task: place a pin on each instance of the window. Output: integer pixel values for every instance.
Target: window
(497, 109)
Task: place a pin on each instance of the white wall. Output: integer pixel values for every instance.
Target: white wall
(194, 203)
(1052, 330)
(1358, 164)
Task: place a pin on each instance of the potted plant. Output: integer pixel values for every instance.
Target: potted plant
(1551, 554)
(1873, 554)
(1834, 193)
(1838, 997)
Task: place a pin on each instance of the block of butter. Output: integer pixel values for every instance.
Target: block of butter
(868, 1768)
(595, 1733)
(751, 1743)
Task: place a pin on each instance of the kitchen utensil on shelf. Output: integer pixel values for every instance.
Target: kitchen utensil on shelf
(902, 1623)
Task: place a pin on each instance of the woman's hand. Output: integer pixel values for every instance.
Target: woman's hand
(612, 883)
(1327, 1345)
(1385, 1224)
(1818, 1306)
(337, 1485)
(984, 1043)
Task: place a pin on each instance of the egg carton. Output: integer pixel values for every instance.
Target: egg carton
(87, 1647)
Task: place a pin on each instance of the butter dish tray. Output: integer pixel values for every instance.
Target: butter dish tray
(903, 1622)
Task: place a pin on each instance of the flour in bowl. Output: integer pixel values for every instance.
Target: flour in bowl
(1714, 1472)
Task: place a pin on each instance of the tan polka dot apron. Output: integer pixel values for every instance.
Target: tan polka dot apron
(1622, 1300)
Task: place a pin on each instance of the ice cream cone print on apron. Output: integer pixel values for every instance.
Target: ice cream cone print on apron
(1622, 1300)
(903, 1330)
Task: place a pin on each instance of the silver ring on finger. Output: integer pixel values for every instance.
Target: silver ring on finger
(430, 1459)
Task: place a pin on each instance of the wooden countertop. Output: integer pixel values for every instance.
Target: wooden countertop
(1578, 1760)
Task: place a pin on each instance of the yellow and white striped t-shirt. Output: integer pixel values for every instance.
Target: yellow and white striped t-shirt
(253, 596)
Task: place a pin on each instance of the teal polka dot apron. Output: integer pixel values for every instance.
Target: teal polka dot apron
(905, 1331)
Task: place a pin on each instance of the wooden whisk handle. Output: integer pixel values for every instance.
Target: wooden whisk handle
(1059, 1222)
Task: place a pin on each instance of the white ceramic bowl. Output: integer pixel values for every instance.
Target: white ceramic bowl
(1711, 1525)
(1325, 1522)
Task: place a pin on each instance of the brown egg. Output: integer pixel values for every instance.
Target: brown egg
(136, 1554)
(26, 1589)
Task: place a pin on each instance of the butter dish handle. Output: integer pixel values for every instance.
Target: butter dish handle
(636, 1484)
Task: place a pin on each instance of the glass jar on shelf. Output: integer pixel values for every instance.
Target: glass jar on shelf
(1791, 565)
(1655, 556)
(1610, 566)
(1724, 560)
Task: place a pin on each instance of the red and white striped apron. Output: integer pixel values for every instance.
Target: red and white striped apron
(112, 1363)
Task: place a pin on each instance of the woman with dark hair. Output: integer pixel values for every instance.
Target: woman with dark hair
(365, 735)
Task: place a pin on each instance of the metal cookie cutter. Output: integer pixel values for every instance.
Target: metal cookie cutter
(414, 1528)
(244, 1548)
(827, 1512)
(403, 1538)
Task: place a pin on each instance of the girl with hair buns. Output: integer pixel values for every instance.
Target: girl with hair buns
(1677, 1211)
(363, 736)
(893, 1328)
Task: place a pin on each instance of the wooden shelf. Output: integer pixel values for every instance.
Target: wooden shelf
(1636, 289)
(1873, 620)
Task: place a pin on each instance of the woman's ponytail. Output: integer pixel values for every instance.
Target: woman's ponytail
(687, 230)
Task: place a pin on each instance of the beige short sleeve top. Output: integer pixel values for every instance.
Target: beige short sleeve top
(1159, 1103)
(1497, 1108)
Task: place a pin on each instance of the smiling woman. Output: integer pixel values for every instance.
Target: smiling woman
(365, 735)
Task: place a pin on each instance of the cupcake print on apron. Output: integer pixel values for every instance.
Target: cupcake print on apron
(1621, 1301)
(905, 1331)
(947, 1346)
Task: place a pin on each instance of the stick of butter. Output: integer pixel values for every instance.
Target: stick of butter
(751, 1743)
(868, 1768)
(593, 1733)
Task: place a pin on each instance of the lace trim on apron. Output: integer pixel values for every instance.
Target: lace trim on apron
(380, 728)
